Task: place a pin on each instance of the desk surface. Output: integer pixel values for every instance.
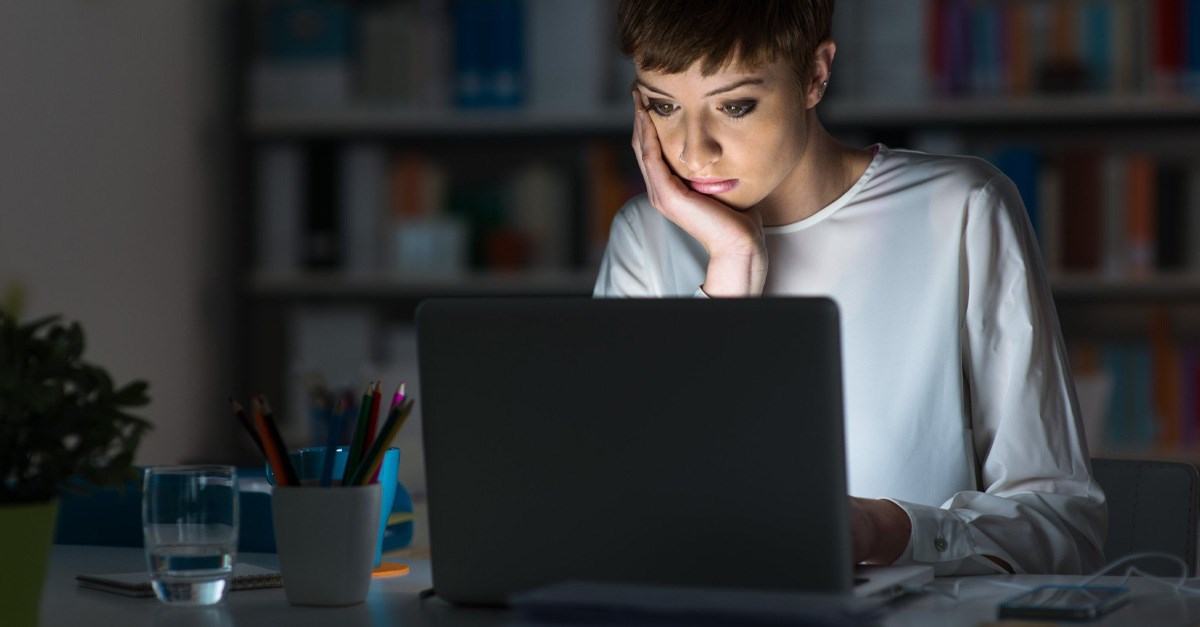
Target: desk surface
(393, 601)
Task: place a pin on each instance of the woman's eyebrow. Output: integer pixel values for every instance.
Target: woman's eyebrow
(749, 80)
(648, 86)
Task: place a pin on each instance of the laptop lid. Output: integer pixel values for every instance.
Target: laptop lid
(671, 441)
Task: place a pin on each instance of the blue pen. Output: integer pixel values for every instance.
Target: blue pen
(331, 442)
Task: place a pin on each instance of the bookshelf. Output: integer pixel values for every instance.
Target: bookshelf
(375, 143)
(1111, 93)
(1092, 107)
(406, 123)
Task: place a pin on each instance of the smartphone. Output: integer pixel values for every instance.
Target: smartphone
(1065, 601)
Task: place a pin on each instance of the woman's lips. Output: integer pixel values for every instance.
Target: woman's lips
(712, 186)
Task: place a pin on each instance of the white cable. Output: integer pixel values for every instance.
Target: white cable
(1177, 585)
(1137, 556)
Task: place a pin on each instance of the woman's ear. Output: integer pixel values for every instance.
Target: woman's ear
(822, 69)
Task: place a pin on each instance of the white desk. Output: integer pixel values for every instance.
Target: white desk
(393, 601)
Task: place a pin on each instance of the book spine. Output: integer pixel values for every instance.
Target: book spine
(1171, 226)
(1167, 23)
(1113, 209)
(1140, 219)
(1080, 195)
(363, 172)
(321, 242)
(279, 199)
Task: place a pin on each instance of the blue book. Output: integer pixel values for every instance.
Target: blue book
(1117, 432)
(470, 52)
(981, 48)
(308, 30)
(1191, 47)
(1097, 39)
(505, 75)
(1021, 165)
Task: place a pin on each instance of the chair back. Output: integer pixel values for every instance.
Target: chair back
(1152, 506)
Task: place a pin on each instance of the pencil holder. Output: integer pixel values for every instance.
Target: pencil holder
(310, 462)
(325, 542)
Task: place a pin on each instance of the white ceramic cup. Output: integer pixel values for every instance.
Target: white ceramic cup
(326, 542)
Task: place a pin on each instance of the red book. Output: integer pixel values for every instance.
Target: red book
(935, 43)
(1167, 29)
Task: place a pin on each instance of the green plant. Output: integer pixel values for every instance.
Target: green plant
(60, 416)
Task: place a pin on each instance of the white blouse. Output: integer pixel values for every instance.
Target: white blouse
(960, 406)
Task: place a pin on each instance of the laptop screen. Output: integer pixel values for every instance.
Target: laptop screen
(671, 441)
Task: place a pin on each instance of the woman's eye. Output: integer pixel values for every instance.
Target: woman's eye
(662, 109)
(737, 109)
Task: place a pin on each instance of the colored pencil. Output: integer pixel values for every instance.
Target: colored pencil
(277, 452)
(373, 417)
(360, 434)
(240, 412)
(397, 398)
(331, 442)
(374, 457)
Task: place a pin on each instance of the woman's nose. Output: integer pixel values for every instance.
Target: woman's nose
(699, 148)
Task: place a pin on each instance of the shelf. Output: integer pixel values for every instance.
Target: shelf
(1032, 111)
(373, 287)
(1172, 287)
(439, 123)
(1185, 454)
(612, 120)
(383, 287)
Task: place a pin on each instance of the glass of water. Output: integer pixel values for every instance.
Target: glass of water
(190, 522)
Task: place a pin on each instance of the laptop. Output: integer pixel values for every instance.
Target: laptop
(677, 442)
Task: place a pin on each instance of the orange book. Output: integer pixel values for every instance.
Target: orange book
(406, 186)
(1167, 393)
(1141, 206)
(1020, 67)
(1064, 26)
(607, 193)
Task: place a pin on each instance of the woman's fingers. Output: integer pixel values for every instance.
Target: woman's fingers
(662, 185)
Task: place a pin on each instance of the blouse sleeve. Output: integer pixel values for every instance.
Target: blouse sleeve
(622, 269)
(628, 267)
(1036, 506)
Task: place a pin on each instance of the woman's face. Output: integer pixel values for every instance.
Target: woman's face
(735, 135)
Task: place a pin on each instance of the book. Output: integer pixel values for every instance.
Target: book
(1081, 199)
(567, 44)
(280, 170)
(137, 584)
(1113, 208)
(1171, 221)
(321, 244)
(305, 58)
(1142, 209)
(363, 200)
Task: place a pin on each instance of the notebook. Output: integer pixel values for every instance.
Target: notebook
(137, 584)
(676, 442)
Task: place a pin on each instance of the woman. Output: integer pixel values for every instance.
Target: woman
(965, 448)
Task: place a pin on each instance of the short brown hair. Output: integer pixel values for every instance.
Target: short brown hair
(670, 35)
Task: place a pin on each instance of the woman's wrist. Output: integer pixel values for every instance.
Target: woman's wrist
(892, 531)
(731, 276)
